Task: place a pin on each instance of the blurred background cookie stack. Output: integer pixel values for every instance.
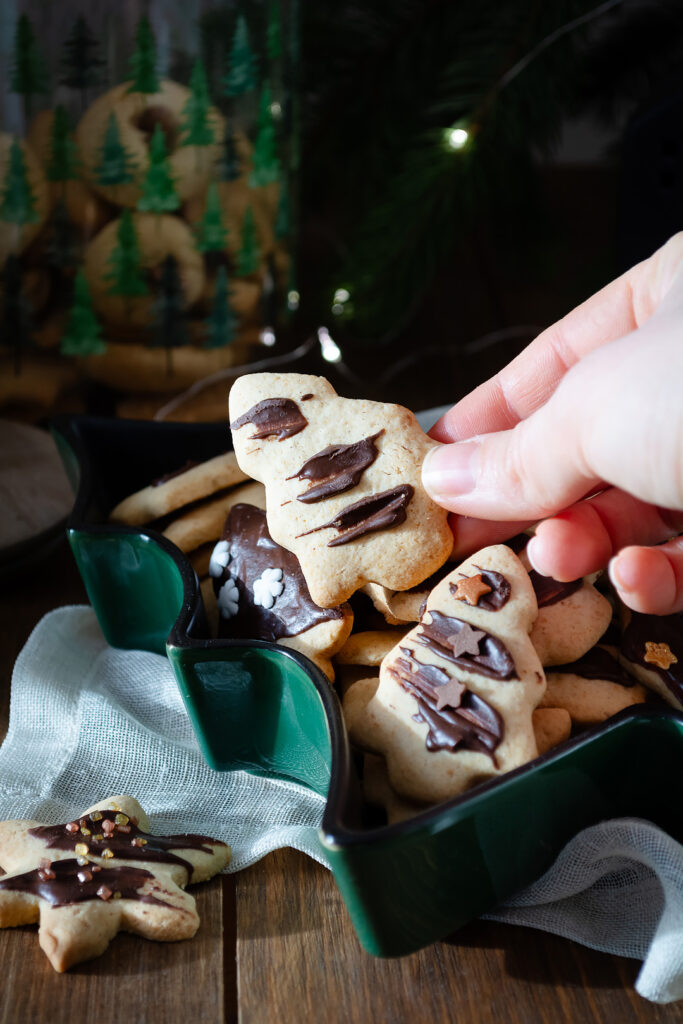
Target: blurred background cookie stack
(147, 198)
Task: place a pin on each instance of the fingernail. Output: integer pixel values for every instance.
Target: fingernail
(451, 470)
(535, 562)
(620, 575)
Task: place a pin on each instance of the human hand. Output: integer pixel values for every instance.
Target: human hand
(593, 404)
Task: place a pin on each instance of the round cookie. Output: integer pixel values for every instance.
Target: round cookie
(455, 699)
(368, 647)
(551, 727)
(136, 117)
(262, 594)
(593, 688)
(343, 483)
(17, 159)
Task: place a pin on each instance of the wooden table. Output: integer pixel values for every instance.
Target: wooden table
(276, 945)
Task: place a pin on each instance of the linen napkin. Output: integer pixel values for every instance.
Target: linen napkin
(88, 721)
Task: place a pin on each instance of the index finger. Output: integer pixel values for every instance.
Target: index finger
(527, 382)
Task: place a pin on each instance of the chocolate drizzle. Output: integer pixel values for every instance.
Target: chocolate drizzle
(125, 840)
(60, 884)
(660, 629)
(336, 468)
(273, 417)
(252, 550)
(597, 663)
(376, 512)
(500, 590)
(469, 723)
(550, 591)
(441, 635)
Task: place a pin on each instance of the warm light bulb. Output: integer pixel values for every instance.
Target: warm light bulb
(341, 295)
(267, 336)
(456, 137)
(330, 350)
(275, 109)
(293, 300)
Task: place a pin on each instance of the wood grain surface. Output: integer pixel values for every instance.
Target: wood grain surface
(276, 945)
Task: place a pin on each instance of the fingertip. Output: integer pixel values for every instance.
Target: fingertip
(645, 580)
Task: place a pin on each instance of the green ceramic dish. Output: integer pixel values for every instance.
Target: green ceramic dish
(263, 708)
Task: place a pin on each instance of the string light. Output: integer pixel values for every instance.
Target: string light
(329, 348)
(293, 298)
(456, 138)
(267, 337)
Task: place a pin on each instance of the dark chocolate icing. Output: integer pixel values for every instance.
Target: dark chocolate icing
(597, 663)
(273, 417)
(126, 841)
(658, 629)
(376, 512)
(500, 590)
(493, 658)
(471, 723)
(60, 884)
(336, 468)
(550, 591)
(252, 550)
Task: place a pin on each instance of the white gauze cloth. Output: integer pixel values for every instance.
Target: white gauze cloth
(88, 721)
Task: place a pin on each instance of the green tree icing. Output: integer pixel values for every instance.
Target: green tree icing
(158, 188)
(83, 336)
(82, 63)
(265, 167)
(222, 322)
(28, 76)
(15, 319)
(211, 231)
(63, 159)
(195, 124)
(116, 166)
(170, 311)
(229, 165)
(242, 68)
(125, 276)
(17, 201)
(143, 63)
(249, 257)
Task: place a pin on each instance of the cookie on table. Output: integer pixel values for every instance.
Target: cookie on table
(101, 873)
(456, 695)
(652, 651)
(593, 688)
(262, 594)
(343, 483)
(203, 523)
(369, 647)
(173, 491)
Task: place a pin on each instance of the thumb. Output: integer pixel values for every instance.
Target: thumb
(596, 427)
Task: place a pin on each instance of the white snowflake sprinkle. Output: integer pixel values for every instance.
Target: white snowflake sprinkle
(228, 599)
(267, 587)
(220, 556)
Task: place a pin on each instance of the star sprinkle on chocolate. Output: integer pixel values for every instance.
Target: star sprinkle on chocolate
(470, 589)
(660, 655)
(88, 879)
(466, 641)
(450, 695)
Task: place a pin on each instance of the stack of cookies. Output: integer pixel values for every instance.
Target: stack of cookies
(318, 535)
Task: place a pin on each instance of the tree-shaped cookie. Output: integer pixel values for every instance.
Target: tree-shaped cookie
(158, 187)
(195, 126)
(170, 311)
(265, 167)
(249, 254)
(222, 321)
(143, 62)
(83, 335)
(242, 66)
(343, 480)
(104, 872)
(125, 276)
(115, 165)
(15, 315)
(82, 63)
(62, 164)
(456, 695)
(28, 76)
(212, 233)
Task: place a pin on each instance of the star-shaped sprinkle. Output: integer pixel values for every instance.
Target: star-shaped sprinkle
(82, 901)
(466, 641)
(471, 588)
(450, 695)
(268, 587)
(228, 599)
(220, 557)
(660, 655)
